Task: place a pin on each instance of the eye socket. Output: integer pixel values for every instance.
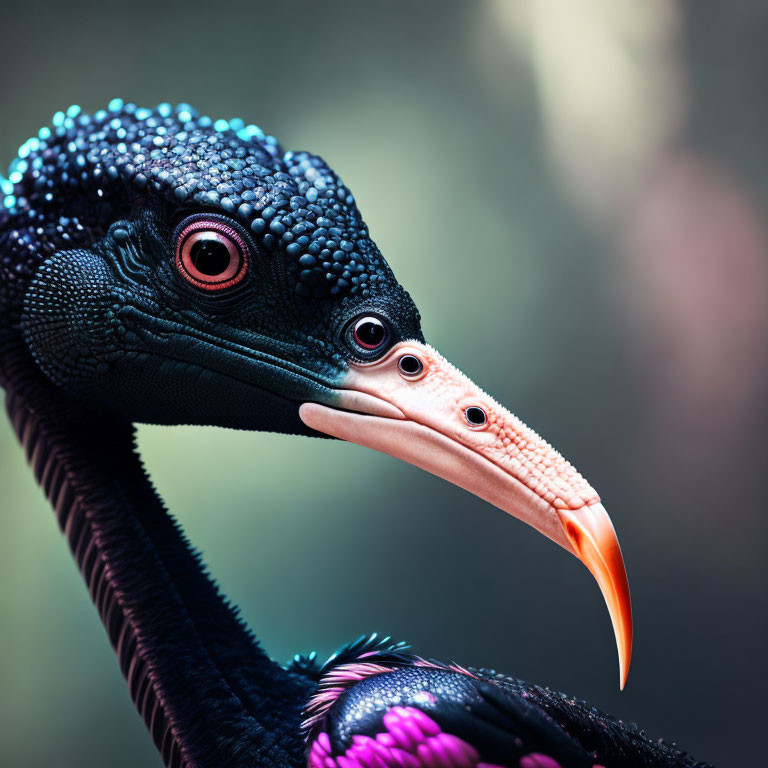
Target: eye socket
(210, 254)
(369, 334)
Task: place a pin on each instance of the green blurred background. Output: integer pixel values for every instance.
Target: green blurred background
(574, 194)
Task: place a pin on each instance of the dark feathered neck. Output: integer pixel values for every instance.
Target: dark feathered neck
(206, 690)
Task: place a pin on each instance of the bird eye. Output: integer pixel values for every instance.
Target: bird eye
(210, 254)
(370, 334)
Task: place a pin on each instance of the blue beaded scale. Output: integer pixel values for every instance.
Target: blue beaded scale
(75, 176)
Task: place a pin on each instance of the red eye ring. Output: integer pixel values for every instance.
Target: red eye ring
(211, 255)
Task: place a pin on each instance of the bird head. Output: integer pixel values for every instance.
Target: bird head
(189, 272)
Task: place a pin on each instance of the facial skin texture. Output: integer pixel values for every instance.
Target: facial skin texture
(104, 309)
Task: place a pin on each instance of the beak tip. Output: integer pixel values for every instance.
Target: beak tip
(593, 540)
(623, 673)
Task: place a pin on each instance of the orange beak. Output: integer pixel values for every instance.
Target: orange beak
(414, 405)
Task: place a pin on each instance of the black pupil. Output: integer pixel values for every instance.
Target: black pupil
(211, 257)
(410, 364)
(475, 416)
(370, 333)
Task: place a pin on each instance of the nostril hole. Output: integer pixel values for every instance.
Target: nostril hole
(475, 416)
(410, 365)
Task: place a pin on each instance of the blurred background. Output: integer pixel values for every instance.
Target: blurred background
(575, 195)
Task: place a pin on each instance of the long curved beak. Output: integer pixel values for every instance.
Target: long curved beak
(414, 405)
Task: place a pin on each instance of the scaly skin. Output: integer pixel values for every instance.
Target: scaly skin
(106, 320)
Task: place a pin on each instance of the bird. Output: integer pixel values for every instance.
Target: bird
(158, 266)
